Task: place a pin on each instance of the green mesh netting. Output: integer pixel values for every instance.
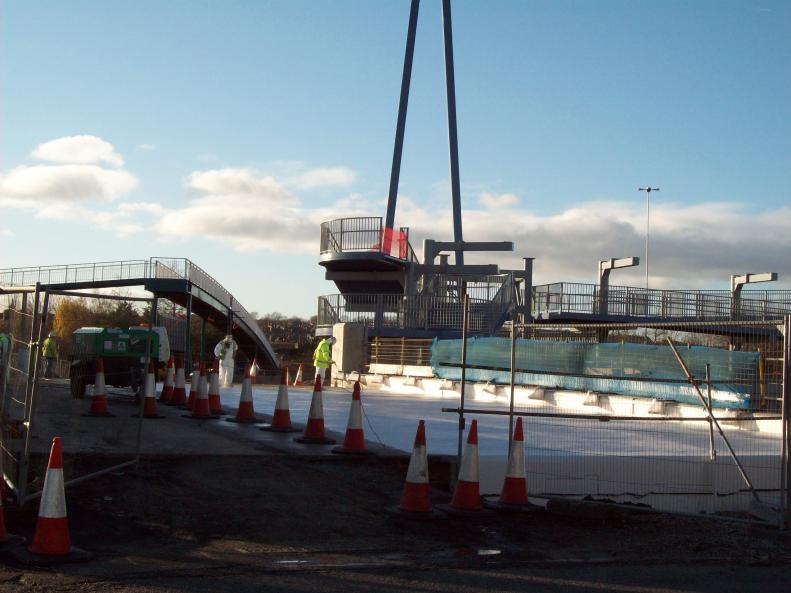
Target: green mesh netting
(640, 370)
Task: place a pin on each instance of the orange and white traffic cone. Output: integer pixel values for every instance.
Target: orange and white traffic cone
(281, 419)
(179, 390)
(354, 441)
(466, 496)
(298, 377)
(167, 389)
(99, 399)
(415, 498)
(149, 395)
(195, 380)
(201, 409)
(245, 414)
(215, 404)
(7, 540)
(51, 541)
(513, 496)
(314, 429)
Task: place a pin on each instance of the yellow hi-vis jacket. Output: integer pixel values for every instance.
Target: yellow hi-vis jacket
(322, 358)
(50, 348)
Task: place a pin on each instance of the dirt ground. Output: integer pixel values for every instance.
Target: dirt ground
(273, 520)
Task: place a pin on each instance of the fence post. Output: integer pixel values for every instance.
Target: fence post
(465, 317)
(785, 463)
(513, 371)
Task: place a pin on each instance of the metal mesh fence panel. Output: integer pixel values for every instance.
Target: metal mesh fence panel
(654, 444)
(61, 398)
(17, 323)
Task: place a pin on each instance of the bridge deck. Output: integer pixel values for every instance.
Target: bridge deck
(172, 278)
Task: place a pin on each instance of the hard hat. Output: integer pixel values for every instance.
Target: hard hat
(51, 334)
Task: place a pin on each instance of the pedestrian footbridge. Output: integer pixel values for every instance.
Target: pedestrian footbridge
(176, 279)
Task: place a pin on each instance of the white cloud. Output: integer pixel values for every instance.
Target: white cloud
(324, 177)
(685, 251)
(6, 233)
(146, 147)
(243, 209)
(28, 185)
(152, 208)
(63, 191)
(494, 201)
(251, 212)
(80, 149)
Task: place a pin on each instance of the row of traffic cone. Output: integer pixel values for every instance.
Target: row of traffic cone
(415, 499)
(204, 403)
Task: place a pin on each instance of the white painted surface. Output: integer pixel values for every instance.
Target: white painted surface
(664, 464)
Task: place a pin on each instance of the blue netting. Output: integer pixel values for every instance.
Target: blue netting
(640, 370)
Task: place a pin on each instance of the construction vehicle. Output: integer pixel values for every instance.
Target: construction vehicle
(123, 351)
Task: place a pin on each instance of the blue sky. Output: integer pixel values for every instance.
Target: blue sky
(226, 131)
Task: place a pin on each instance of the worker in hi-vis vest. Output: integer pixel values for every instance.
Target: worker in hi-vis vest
(322, 357)
(50, 352)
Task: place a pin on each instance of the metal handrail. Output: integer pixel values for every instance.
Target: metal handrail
(632, 301)
(363, 234)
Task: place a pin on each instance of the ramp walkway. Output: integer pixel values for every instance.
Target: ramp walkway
(176, 279)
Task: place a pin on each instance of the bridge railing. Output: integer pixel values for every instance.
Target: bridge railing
(629, 301)
(186, 269)
(155, 267)
(365, 233)
(86, 272)
(400, 312)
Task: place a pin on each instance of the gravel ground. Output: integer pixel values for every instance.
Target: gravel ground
(273, 519)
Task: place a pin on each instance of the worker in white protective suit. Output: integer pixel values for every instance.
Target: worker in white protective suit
(225, 351)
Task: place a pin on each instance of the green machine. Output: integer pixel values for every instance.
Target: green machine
(123, 351)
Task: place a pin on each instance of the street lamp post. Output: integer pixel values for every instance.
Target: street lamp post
(648, 189)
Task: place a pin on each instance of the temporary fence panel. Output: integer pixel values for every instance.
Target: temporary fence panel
(16, 322)
(58, 403)
(652, 445)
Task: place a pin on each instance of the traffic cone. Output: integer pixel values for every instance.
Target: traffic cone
(179, 391)
(281, 419)
(99, 399)
(513, 496)
(314, 429)
(201, 409)
(51, 541)
(466, 497)
(195, 381)
(215, 405)
(149, 399)
(298, 377)
(245, 414)
(7, 540)
(415, 498)
(167, 389)
(354, 441)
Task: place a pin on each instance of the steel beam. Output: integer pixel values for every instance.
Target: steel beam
(453, 139)
(605, 267)
(406, 77)
(484, 269)
(433, 248)
(738, 281)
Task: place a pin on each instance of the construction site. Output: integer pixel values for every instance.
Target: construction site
(463, 429)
